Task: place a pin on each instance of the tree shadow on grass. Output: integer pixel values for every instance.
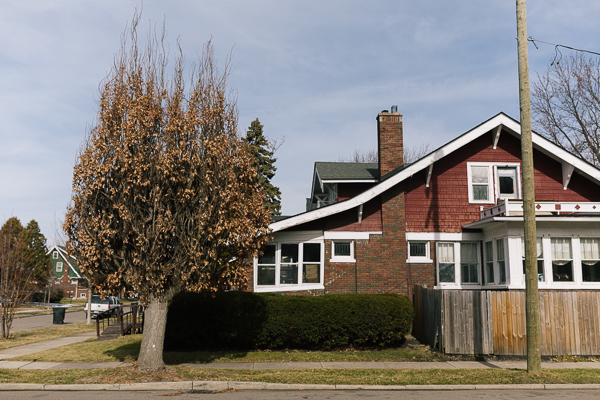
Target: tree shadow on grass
(125, 352)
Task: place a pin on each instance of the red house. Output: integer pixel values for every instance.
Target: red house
(451, 220)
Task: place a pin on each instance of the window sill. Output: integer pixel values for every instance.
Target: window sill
(342, 260)
(419, 261)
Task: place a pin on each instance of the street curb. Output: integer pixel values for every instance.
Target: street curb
(239, 385)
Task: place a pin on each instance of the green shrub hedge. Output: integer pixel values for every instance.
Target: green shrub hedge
(246, 320)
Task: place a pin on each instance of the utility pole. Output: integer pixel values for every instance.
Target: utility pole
(534, 361)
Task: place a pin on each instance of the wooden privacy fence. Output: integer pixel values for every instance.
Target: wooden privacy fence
(493, 322)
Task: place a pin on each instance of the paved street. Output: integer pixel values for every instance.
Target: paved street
(23, 323)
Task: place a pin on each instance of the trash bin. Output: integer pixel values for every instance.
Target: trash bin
(58, 315)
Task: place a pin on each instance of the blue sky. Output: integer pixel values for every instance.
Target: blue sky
(314, 72)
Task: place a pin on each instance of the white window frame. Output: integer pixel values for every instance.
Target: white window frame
(574, 247)
(337, 258)
(456, 282)
(497, 261)
(55, 255)
(587, 259)
(515, 166)
(490, 199)
(279, 287)
(416, 259)
(82, 295)
(478, 247)
(59, 266)
(493, 182)
(491, 261)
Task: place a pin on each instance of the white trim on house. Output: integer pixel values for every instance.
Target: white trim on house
(511, 126)
(333, 235)
(350, 181)
(444, 236)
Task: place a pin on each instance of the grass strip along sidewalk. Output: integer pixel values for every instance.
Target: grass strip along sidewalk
(320, 376)
(127, 348)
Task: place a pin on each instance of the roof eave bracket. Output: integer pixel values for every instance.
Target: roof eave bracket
(360, 213)
(497, 136)
(567, 173)
(429, 171)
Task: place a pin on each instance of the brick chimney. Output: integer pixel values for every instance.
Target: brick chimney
(390, 143)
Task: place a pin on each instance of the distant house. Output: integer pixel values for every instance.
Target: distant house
(451, 220)
(65, 274)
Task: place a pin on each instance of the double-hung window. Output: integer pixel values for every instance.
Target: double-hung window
(562, 260)
(469, 262)
(590, 259)
(489, 262)
(446, 263)
(480, 183)
(59, 266)
(289, 266)
(500, 261)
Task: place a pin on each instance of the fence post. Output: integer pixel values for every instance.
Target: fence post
(120, 317)
(133, 318)
(97, 327)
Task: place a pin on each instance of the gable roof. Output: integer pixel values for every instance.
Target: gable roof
(343, 171)
(500, 123)
(70, 261)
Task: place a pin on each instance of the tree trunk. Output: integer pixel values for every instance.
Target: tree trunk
(153, 339)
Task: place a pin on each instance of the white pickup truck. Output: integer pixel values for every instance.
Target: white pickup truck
(101, 304)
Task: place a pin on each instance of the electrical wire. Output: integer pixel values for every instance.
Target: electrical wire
(557, 50)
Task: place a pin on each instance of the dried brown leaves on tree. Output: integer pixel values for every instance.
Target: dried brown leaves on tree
(165, 196)
(566, 105)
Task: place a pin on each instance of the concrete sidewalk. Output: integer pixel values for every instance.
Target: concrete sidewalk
(47, 345)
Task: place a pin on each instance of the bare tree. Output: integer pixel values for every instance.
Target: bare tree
(566, 105)
(411, 154)
(361, 156)
(15, 273)
(165, 195)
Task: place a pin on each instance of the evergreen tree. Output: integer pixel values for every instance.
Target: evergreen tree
(262, 151)
(35, 254)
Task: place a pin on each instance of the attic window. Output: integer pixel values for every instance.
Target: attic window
(55, 255)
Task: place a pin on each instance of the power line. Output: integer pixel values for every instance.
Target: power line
(557, 50)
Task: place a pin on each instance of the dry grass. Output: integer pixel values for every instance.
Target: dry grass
(127, 349)
(316, 376)
(20, 338)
